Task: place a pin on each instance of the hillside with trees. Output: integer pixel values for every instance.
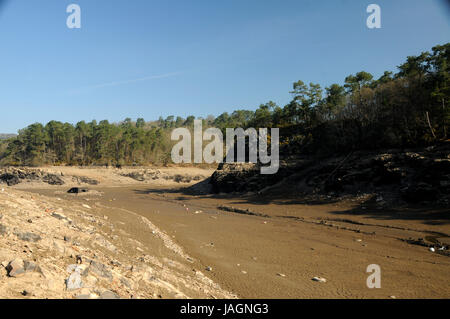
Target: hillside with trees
(404, 109)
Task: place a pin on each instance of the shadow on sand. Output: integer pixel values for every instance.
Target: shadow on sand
(428, 214)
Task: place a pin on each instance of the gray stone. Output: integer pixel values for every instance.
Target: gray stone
(100, 270)
(28, 237)
(109, 295)
(74, 281)
(59, 216)
(18, 267)
(3, 230)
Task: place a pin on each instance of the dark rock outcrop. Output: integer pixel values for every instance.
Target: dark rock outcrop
(9, 179)
(52, 179)
(13, 176)
(420, 175)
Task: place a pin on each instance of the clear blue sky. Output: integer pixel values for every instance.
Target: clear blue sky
(144, 58)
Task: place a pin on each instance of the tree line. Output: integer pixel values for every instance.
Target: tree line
(403, 109)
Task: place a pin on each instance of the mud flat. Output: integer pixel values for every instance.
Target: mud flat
(277, 249)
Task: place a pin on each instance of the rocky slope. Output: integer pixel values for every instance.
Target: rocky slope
(52, 248)
(396, 175)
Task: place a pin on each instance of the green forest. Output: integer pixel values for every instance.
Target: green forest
(408, 108)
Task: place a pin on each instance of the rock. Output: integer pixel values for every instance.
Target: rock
(58, 216)
(15, 267)
(9, 179)
(19, 267)
(432, 249)
(208, 268)
(281, 275)
(100, 270)
(84, 180)
(109, 295)
(77, 190)
(140, 177)
(3, 229)
(76, 268)
(319, 279)
(52, 179)
(74, 281)
(31, 237)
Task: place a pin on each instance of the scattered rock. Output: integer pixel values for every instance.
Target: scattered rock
(319, 279)
(52, 179)
(27, 236)
(84, 180)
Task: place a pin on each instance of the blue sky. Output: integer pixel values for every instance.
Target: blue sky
(144, 58)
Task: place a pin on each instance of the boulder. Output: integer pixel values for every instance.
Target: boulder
(9, 179)
(19, 267)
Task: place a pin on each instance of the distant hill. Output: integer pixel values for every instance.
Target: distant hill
(6, 136)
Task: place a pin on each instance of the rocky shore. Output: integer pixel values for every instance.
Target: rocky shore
(12, 176)
(51, 248)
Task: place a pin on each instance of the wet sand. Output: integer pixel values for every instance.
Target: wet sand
(277, 256)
